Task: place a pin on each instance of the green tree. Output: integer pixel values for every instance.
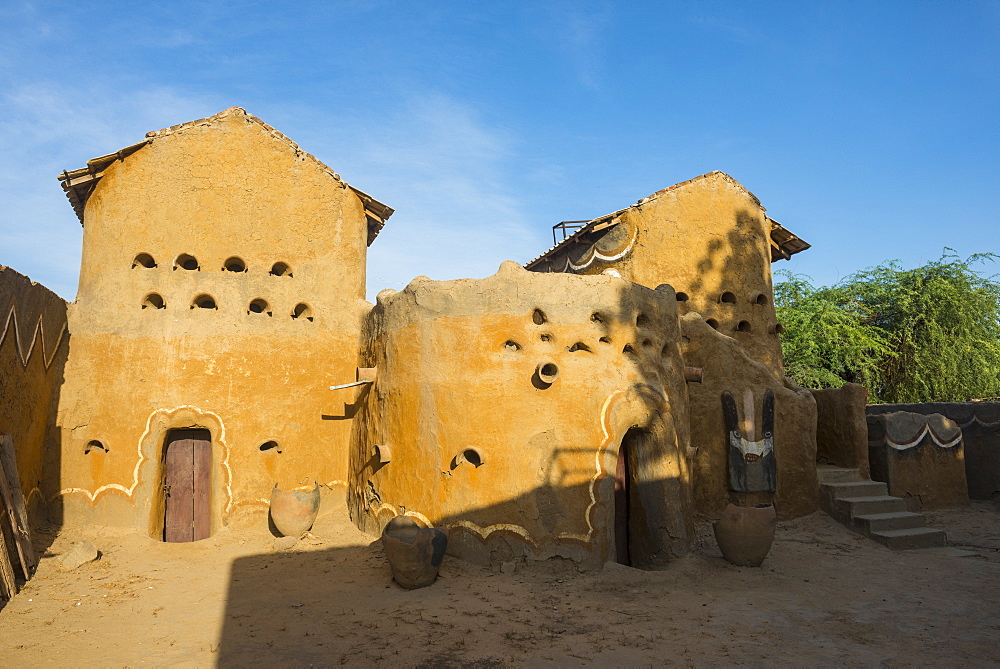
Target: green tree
(910, 335)
(827, 340)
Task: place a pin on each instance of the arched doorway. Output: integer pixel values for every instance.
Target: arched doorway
(187, 486)
(624, 494)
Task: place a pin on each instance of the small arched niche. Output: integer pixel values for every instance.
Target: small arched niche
(259, 306)
(143, 260)
(153, 301)
(302, 310)
(234, 264)
(538, 317)
(95, 446)
(777, 329)
(682, 297)
(270, 446)
(743, 326)
(204, 301)
(187, 262)
(714, 324)
(281, 269)
(469, 455)
(728, 298)
(761, 300)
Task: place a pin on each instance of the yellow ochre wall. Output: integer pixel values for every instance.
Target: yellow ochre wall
(456, 370)
(221, 187)
(32, 354)
(705, 237)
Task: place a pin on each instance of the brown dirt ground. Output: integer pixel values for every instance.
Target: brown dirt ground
(824, 596)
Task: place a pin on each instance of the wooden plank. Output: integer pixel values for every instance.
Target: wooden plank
(179, 504)
(202, 475)
(9, 461)
(20, 536)
(8, 584)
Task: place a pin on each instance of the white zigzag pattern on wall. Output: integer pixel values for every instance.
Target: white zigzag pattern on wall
(10, 323)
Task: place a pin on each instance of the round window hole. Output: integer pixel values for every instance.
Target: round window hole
(259, 306)
(204, 301)
(185, 261)
(302, 310)
(728, 297)
(682, 297)
(270, 446)
(153, 301)
(95, 445)
(281, 269)
(144, 260)
(743, 326)
(234, 264)
(761, 300)
(714, 324)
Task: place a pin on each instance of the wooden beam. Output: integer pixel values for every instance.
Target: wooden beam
(13, 500)
(8, 584)
(9, 461)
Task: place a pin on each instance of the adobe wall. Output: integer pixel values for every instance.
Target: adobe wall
(458, 383)
(224, 187)
(33, 346)
(980, 424)
(709, 238)
(920, 457)
(727, 367)
(842, 428)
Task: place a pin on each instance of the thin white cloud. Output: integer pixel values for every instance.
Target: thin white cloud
(454, 178)
(47, 129)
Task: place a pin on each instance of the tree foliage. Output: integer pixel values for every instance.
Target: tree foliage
(909, 335)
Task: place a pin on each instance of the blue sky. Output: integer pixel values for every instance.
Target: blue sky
(870, 129)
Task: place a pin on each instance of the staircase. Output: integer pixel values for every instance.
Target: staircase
(867, 507)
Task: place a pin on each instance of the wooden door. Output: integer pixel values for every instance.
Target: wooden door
(187, 486)
(622, 504)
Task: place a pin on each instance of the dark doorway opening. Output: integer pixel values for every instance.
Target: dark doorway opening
(623, 495)
(187, 485)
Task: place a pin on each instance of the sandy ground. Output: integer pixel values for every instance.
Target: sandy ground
(824, 596)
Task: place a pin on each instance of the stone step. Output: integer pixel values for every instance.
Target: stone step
(917, 537)
(830, 474)
(857, 489)
(864, 506)
(879, 522)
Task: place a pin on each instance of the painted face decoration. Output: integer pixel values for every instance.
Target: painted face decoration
(752, 467)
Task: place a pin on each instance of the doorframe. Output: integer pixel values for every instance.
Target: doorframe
(152, 471)
(169, 438)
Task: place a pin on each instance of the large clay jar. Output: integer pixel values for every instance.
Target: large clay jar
(745, 533)
(414, 552)
(293, 512)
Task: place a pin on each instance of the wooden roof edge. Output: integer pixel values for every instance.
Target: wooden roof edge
(784, 242)
(377, 213)
(649, 198)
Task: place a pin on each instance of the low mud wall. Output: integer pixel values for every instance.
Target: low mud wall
(980, 424)
(33, 348)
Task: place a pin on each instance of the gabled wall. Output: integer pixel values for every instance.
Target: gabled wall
(709, 238)
(224, 187)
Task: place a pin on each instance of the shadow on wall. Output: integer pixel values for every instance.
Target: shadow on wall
(34, 346)
(294, 604)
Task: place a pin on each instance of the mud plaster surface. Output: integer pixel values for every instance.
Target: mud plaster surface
(824, 595)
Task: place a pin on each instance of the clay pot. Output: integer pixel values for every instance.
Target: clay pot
(414, 552)
(745, 533)
(292, 511)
